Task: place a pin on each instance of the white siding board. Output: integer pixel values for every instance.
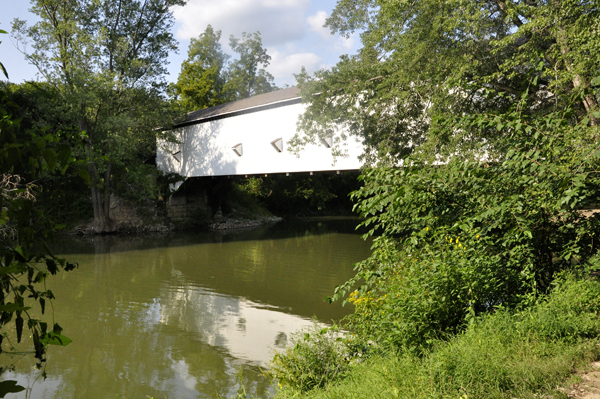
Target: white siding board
(206, 148)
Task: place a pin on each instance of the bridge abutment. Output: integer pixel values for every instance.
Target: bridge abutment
(197, 202)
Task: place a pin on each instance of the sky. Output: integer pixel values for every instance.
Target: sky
(292, 32)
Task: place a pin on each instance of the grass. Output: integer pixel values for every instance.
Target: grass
(526, 354)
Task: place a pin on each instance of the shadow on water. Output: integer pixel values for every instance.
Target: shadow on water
(184, 316)
(293, 228)
(291, 265)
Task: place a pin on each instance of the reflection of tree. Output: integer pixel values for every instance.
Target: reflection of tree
(120, 345)
(151, 316)
(294, 274)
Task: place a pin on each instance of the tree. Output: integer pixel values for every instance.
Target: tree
(25, 260)
(208, 79)
(107, 61)
(244, 78)
(491, 108)
(202, 77)
(426, 61)
(38, 105)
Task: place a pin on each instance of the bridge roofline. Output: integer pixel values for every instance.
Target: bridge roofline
(274, 99)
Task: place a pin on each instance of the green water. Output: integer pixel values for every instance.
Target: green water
(189, 315)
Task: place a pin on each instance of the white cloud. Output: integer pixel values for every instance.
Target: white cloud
(279, 21)
(346, 44)
(316, 23)
(283, 66)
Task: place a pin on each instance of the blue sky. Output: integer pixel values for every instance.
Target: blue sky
(291, 31)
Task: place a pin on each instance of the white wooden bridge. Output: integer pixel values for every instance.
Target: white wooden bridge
(249, 137)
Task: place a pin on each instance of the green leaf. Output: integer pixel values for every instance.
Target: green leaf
(19, 325)
(19, 254)
(56, 329)
(84, 175)
(16, 268)
(50, 157)
(13, 307)
(64, 154)
(52, 338)
(52, 266)
(4, 70)
(39, 277)
(540, 66)
(9, 386)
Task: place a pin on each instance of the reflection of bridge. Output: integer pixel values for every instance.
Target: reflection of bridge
(249, 137)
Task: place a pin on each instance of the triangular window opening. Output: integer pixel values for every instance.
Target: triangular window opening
(278, 144)
(238, 149)
(327, 141)
(177, 156)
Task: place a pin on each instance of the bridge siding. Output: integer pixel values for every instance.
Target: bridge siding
(206, 148)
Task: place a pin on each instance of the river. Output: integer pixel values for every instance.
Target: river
(189, 315)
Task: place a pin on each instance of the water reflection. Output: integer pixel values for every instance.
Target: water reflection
(190, 315)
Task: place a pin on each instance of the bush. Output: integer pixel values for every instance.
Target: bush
(527, 353)
(465, 237)
(317, 356)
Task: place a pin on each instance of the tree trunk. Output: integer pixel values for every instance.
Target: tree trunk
(579, 83)
(101, 201)
(100, 187)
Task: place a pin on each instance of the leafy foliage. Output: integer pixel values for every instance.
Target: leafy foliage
(25, 259)
(107, 63)
(482, 117)
(203, 75)
(468, 236)
(245, 79)
(316, 357)
(425, 62)
(208, 79)
(65, 198)
(524, 353)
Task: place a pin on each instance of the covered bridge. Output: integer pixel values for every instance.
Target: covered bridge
(249, 137)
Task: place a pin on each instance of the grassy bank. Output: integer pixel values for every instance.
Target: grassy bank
(519, 354)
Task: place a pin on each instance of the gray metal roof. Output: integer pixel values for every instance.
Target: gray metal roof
(282, 97)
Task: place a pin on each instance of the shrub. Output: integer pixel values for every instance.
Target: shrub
(465, 237)
(316, 356)
(526, 353)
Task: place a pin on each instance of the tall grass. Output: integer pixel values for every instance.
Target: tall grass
(523, 354)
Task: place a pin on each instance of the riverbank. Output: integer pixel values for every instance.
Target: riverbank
(138, 218)
(225, 204)
(545, 350)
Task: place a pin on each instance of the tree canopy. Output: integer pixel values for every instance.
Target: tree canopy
(426, 61)
(107, 60)
(482, 119)
(208, 78)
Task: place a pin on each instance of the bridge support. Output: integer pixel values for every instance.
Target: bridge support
(197, 202)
